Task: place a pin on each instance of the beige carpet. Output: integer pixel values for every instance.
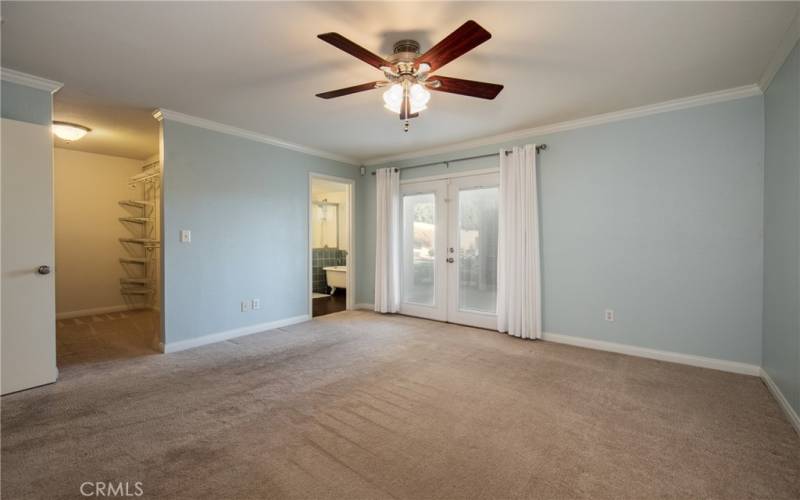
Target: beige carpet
(356, 405)
(106, 337)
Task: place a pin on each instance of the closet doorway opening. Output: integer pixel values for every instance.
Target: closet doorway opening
(108, 260)
(330, 239)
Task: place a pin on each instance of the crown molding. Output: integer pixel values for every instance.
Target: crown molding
(615, 116)
(166, 114)
(20, 78)
(788, 42)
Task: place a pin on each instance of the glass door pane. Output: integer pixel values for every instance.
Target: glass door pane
(419, 247)
(477, 250)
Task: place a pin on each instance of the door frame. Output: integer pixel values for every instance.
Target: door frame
(351, 252)
(446, 188)
(454, 175)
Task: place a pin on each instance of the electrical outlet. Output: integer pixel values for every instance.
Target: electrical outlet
(245, 305)
(609, 315)
(256, 304)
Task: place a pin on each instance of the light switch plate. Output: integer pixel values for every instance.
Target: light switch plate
(245, 305)
(256, 304)
(186, 236)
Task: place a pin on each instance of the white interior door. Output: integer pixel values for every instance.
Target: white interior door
(423, 280)
(472, 250)
(28, 335)
(449, 250)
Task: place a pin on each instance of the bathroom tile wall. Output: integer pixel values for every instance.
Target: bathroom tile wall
(324, 257)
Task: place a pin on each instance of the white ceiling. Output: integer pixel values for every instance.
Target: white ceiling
(257, 66)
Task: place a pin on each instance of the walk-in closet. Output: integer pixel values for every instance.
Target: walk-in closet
(108, 256)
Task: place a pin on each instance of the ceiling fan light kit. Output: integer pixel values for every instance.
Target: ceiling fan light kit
(408, 74)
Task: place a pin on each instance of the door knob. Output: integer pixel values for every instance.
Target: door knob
(451, 260)
(43, 270)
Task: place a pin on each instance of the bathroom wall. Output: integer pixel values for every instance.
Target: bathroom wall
(321, 258)
(340, 198)
(657, 217)
(324, 251)
(325, 224)
(88, 188)
(246, 203)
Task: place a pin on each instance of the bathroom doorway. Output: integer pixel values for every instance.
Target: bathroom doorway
(330, 244)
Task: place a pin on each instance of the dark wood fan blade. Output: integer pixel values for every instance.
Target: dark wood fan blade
(348, 90)
(354, 49)
(456, 44)
(466, 87)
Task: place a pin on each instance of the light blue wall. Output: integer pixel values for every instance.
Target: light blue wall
(659, 218)
(782, 230)
(26, 104)
(246, 204)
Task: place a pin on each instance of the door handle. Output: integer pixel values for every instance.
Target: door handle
(43, 270)
(451, 260)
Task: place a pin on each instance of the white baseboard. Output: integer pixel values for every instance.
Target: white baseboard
(643, 352)
(212, 338)
(366, 306)
(97, 310)
(791, 414)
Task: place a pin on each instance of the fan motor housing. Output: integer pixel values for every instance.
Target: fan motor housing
(404, 51)
(406, 46)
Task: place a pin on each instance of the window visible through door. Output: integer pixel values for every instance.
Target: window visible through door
(449, 250)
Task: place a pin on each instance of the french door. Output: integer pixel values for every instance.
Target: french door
(449, 250)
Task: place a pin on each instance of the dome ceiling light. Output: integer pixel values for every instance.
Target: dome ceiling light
(70, 131)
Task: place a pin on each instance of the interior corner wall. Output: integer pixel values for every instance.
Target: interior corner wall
(88, 188)
(657, 217)
(781, 358)
(26, 104)
(247, 206)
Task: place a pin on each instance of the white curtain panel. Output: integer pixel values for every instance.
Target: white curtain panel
(387, 241)
(519, 304)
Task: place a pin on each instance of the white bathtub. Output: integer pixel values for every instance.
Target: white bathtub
(336, 277)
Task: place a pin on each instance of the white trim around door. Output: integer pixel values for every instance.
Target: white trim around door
(449, 249)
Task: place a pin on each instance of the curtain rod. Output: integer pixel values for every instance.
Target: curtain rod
(539, 148)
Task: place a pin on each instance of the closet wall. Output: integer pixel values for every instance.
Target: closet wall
(88, 188)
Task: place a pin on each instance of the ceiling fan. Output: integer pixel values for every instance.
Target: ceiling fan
(409, 74)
